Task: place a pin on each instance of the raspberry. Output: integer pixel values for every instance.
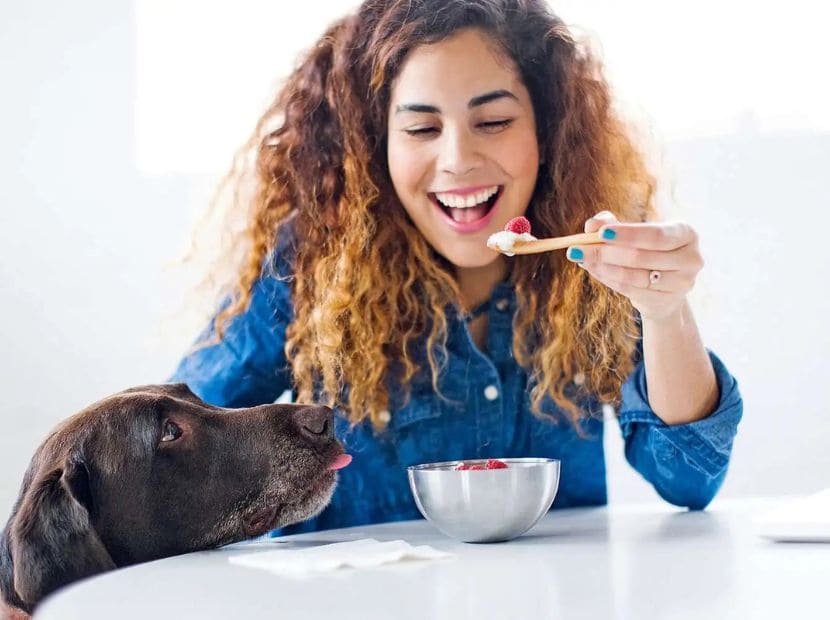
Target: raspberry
(495, 464)
(490, 464)
(518, 225)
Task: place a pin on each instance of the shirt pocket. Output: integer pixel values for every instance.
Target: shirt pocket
(418, 432)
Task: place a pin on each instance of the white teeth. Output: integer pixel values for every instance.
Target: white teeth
(456, 201)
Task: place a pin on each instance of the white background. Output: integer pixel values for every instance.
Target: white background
(117, 118)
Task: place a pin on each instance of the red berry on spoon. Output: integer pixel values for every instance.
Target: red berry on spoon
(518, 225)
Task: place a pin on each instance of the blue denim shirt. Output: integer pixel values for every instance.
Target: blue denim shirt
(485, 413)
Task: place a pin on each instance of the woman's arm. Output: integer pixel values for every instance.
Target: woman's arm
(655, 265)
(248, 366)
(680, 407)
(686, 463)
(681, 381)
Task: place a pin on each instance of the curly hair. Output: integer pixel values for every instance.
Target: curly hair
(319, 154)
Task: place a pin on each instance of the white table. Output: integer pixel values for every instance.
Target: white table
(648, 561)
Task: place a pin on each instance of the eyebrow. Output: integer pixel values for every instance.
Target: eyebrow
(473, 103)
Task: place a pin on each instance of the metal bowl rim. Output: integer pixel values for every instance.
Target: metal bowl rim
(436, 466)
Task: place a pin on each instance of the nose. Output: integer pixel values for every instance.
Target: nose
(315, 423)
(459, 153)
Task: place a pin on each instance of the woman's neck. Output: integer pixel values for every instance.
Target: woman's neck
(477, 283)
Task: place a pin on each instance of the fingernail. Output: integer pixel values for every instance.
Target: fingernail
(609, 233)
(575, 254)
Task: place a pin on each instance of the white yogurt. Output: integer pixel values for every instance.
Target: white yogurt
(504, 241)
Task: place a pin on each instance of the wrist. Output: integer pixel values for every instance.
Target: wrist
(672, 318)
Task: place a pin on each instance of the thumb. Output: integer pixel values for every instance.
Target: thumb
(603, 218)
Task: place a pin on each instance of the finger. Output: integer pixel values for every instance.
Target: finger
(603, 218)
(650, 235)
(642, 279)
(644, 296)
(686, 260)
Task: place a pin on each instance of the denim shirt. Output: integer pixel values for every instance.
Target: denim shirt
(483, 412)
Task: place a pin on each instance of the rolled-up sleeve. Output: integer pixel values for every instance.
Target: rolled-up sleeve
(686, 463)
(248, 366)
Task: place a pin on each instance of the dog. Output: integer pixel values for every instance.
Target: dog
(153, 472)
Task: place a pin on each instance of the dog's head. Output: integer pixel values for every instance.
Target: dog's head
(153, 472)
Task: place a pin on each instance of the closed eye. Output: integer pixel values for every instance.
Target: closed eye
(495, 125)
(421, 131)
(170, 431)
(487, 126)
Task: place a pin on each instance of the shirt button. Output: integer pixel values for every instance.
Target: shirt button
(384, 416)
(491, 392)
(502, 305)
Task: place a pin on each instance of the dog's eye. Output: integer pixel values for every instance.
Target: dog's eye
(170, 431)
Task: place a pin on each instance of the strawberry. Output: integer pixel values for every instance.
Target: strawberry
(518, 225)
(476, 467)
(462, 467)
(495, 464)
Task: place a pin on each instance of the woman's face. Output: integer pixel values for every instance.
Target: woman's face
(462, 147)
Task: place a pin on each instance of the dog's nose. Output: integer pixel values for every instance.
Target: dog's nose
(315, 423)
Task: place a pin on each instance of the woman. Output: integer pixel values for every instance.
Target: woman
(412, 131)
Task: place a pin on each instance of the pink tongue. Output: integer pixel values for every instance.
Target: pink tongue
(470, 214)
(341, 461)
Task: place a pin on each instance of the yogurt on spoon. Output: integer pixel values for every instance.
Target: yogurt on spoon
(515, 231)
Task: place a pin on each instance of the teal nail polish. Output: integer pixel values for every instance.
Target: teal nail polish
(575, 254)
(608, 233)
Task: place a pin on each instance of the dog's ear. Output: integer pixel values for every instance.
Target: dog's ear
(51, 538)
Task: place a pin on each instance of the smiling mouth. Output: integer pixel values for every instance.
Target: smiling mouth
(462, 211)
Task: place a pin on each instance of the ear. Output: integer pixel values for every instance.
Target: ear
(51, 538)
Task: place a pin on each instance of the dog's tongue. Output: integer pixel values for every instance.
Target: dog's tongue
(341, 461)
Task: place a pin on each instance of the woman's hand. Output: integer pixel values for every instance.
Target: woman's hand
(653, 264)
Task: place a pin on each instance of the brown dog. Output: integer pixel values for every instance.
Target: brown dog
(153, 472)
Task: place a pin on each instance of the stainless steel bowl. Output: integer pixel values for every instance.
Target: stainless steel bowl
(491, 505)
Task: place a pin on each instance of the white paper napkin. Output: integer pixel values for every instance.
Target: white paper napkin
(363, 553)
(805, 519)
